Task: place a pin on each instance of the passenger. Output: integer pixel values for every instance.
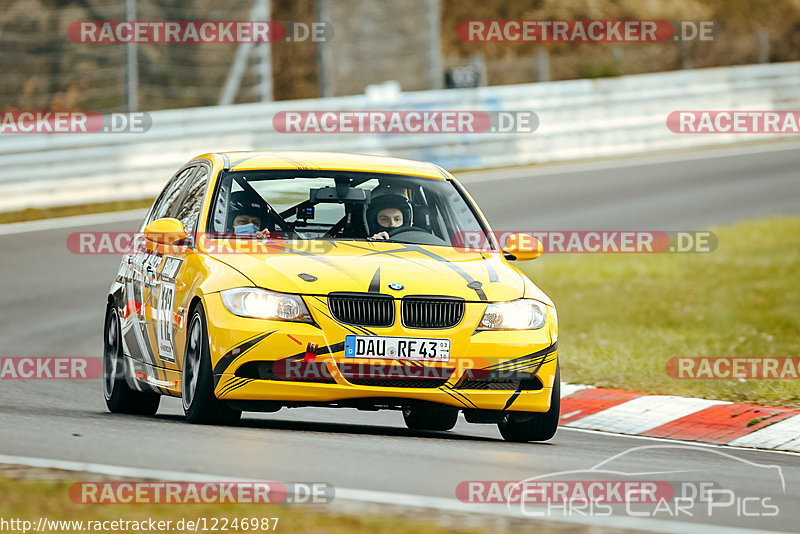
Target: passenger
(246, 215)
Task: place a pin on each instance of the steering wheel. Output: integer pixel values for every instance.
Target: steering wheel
(403, 229)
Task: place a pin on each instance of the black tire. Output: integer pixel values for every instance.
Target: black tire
(120, 398)
(200, 405)
(522, 427)
(430, 417)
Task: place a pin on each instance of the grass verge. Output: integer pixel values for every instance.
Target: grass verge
(622, 316)
(33, 496)
(34, 214)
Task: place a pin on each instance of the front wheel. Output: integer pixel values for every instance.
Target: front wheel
(430, 418)
(120, 398)
(523, 427)
(200, 405)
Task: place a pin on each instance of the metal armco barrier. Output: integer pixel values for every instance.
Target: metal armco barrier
(578, 119)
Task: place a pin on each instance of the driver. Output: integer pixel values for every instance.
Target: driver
(246, 214)
(387, 210)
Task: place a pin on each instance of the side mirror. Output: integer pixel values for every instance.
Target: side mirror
(165, 231)
(522, 247)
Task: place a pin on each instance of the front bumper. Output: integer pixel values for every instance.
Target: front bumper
(522, 363)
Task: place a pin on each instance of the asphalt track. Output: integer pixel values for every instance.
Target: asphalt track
(52, 305)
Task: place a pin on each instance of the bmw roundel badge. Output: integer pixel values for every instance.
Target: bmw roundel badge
(396, 286)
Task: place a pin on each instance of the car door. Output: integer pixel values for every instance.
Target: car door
(179, 266)
(142, 264)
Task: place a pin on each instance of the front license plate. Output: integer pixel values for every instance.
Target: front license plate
(397, 348)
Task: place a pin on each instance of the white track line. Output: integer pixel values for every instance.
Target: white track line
(390, 498)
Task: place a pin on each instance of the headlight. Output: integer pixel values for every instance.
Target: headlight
(522, 314)
(262, 304)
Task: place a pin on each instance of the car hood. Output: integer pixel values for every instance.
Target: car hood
(321, 267)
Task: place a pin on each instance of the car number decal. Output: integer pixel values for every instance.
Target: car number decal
(166, 300)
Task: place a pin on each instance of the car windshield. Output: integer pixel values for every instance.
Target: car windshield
(304, 205)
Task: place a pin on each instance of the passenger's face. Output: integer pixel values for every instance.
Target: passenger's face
(240, 220)
(390, 218)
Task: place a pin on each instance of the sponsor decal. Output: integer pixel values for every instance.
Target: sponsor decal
(165, 316)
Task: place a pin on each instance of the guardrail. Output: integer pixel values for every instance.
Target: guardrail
(578, 119)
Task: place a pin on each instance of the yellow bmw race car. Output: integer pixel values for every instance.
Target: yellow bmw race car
(282, 279)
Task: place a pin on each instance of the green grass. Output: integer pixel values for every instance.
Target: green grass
(33, 214)
(622, 316)
(30, 498)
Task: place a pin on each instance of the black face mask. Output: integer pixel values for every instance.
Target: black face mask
(242, 204)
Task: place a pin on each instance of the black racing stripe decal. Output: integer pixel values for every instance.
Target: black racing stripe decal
(391, 253)
(325, 261)
(230, 385)
(523, 367)
(461, 272)
(541, 363)
(513, 397)
(519, 388)
(524, 359)
(375, 284)
(461, 395)
(237, 386)
(227, 360)
(442, 388)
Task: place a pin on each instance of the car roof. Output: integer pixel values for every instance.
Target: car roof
(336, 161)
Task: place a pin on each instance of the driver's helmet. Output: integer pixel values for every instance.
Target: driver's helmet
(384, 197)
(244, 203)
